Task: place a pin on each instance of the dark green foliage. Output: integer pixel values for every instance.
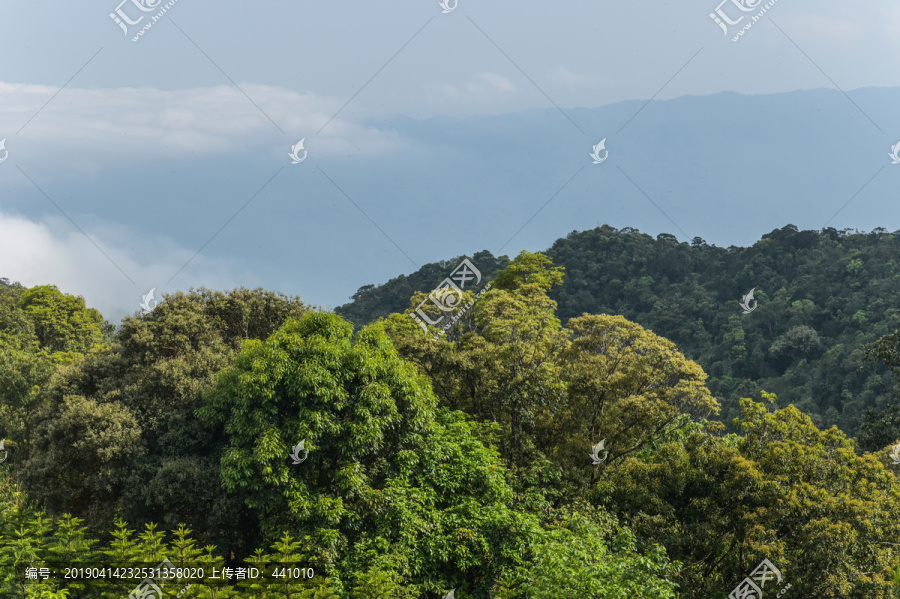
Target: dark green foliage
(390, 488)
(879, 429)
(821, 297)
(371, 303)
(118, 434)
(882, 428)
(465, 462)
(40, 328)
(784, 491)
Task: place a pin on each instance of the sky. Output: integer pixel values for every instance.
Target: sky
(164, 162)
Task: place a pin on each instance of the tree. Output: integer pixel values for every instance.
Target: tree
(40, 329)
(882, 428)
(62, 323)
(524, 340)
(626, 386)
(785, 491)
(155, 461)
(530, 269)
(387, 482)
(879, 429)
(589, 557)
(839, 284)
(799, 342)
(371, 303)
(499, 364)
(81, 454)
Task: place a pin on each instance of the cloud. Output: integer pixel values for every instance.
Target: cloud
(891, 22)
(53, 252)
(493, 82)
(90, 128)
(481, 87)
(833, 28)
(563, 76)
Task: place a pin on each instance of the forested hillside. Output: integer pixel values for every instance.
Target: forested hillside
(371, 303)
(821, 297)
(517, 456)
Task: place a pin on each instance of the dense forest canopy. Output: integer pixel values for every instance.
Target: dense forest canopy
(822, 296)
(563, 437)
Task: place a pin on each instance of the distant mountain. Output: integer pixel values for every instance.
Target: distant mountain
(819, 298)
(727, 167)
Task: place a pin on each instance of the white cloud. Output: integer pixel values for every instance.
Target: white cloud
(561, 75)
(843, 28)
(88, 128)
(483, 86)
(891, 21)
(53, 252)
(496, 82)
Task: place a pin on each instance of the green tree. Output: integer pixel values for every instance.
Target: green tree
(62, 323)
(785, 491)
(80, 457)
(388, 482)
(143, 454)
(502, 364)
(589, 557)
(25, 370)
(530, 269)
(625, 386)
(839, 284)
(880, 429)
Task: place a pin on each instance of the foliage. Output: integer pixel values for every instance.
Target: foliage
(625, 386)
(784, 491)
(821, 297)
(882, 428)
(589, 557)
(465, 461)
(62, 323)
(117, 434)
(388, 482)
(371, 303)
(556, 391)
(40, 329)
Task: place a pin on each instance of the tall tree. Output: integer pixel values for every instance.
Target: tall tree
(384, 481)
(784, 491)
(62, 323)
(119, 435)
